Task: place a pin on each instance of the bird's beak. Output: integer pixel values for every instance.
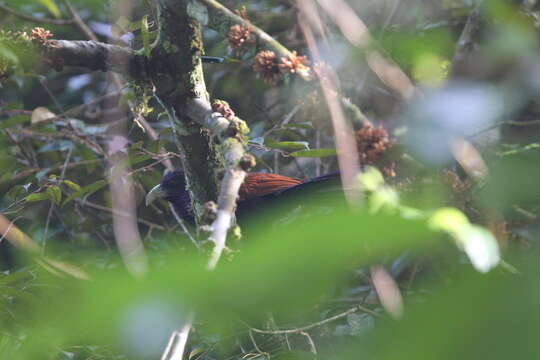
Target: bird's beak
(156, 192)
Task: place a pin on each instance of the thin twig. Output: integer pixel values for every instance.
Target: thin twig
(317, 324)
(252, 338)
(184, 227)
(470, 32)
(25, 173)
(347, 152)
(508, 122)
(51, 208)
(31, 18)
(80, 23)
(310, 342)
(177, 342)
(118, 212)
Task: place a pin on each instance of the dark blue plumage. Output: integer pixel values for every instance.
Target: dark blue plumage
(260, 192)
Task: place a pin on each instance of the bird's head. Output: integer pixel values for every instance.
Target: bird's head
(171, 188)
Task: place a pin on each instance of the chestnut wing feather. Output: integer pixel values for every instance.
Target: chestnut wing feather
(260, 184)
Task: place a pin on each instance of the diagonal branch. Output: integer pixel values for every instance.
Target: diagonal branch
(221, 19)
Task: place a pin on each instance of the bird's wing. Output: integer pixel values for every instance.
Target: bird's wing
(328, 184)
(323, 191)
(261, 184)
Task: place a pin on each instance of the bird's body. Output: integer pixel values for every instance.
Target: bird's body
(260, 191)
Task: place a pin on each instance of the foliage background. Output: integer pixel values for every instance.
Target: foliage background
(289, 274)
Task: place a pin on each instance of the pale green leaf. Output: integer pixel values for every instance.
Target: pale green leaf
(51, 6)
(315, 153)
(55, 194)
(37, 197)
(145, 35)
(449, 219)
(371, 179)
(85, 191)
(286, 145)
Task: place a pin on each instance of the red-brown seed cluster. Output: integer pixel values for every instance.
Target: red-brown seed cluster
(294, 64)
(372, 142)
(239, 36)
(266, 67)
(40, 35)
(223, 108)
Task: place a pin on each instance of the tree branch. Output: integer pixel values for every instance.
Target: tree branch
(95, 55)
(180, 86)
(221, 19)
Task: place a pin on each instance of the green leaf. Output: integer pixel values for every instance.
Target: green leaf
(55, 194)
(145, 36)
(315, 153)
(51, 6)
(371, 179)
(70, 184)
(85, 191)
(449, 219)
(286, 145)
(480, 246)
(8, 56)
(37, 197)
(14, 120)
(477, 242)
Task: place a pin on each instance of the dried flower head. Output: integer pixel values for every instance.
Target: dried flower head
(295, 64)
(40, 35)
(247, 162)
(223, 108)
(239, 36)
(372, 142)
(266, 67)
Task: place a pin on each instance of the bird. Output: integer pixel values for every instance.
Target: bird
(259, 192)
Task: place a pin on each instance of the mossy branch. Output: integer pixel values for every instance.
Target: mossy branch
(94, 55)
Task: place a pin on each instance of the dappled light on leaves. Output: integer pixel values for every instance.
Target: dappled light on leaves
(330, 179)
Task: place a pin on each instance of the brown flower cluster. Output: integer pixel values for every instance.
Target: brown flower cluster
(266, 67)
(295, 64)
(372, 142)
(223, 108)
(239, 36)
(40, 35)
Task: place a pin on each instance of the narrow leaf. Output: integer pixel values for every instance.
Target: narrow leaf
(315, 153)
(51, 6)
(73, 186)
(37, 197)
(55, 194)
(145, 35)
(14, 120)
(85, 191)
(287, 145)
